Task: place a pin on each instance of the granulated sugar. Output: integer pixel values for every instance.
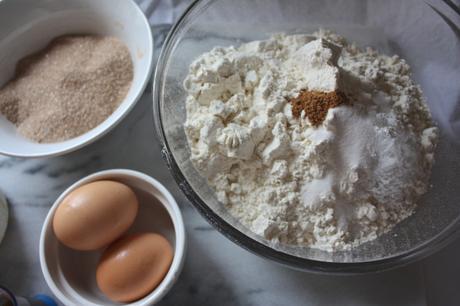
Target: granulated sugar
(68, 88)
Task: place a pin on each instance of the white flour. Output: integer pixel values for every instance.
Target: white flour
(329, 187)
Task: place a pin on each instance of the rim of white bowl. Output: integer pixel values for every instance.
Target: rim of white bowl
(111, 122)
(179, 229)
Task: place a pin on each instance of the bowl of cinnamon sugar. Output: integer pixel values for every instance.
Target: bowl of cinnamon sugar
(70, 71)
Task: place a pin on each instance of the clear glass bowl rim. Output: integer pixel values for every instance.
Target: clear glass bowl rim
(423, 250)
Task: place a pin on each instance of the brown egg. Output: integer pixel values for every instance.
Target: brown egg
(94, 215)
(133, 266)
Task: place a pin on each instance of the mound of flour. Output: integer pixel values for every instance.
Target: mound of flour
(333, 186)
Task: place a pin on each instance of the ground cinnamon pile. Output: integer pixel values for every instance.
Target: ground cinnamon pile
(316, 104)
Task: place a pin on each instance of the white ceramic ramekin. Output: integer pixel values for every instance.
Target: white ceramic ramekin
(71, 275)
(27, 26)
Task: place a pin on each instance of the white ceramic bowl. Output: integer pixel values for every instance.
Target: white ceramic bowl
(71, 275)
(27, 26)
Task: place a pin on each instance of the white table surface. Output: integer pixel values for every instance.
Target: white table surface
(216, 272)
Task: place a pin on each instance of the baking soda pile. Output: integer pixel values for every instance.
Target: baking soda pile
(330, 185)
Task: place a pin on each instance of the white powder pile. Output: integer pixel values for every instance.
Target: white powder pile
(331, 186)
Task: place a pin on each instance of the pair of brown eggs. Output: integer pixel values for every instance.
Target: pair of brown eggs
(95, 216)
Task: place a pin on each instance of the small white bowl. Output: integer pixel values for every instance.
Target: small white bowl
(29, 25)
(71, 275)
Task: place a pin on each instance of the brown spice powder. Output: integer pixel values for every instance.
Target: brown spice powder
(316, 104)
(68, 88)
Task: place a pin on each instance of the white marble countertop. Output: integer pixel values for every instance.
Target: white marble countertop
(216, 272)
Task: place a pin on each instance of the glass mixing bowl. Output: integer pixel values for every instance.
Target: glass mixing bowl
(413, 29)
